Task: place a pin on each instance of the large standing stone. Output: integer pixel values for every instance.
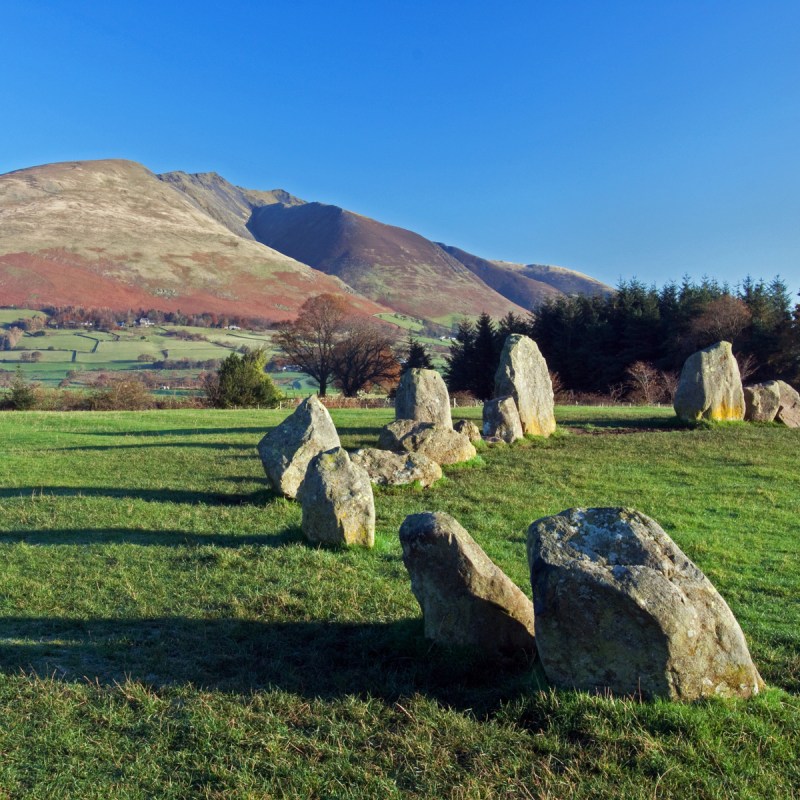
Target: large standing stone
(422, 396)
(337, 501)
(523, 375)
(465, 598)
(710, 386)
(620, 608)
(286, 450)
(397, 469)
(789, 408)
(443, 445)
(762, 401)
(501, 419)
(468, 428)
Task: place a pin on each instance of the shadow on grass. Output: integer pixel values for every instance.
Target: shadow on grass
(137, 536)
(261, 497)
(312, 659)
(204, 445)
(139, 434)
(624, 424)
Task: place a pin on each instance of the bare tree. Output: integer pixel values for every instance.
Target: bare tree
(669, 383)
(644, 380)
(364, 357)
(310, 341)
(721, 319)
(748, 366)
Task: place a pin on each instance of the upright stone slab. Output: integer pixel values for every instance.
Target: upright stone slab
(286, 450)
(422, 396)
(789, 406)
(762, 401)
(501, 419)
(337, 501)
(465, 598)
(620, 608)
(710, 386)
(523, 375)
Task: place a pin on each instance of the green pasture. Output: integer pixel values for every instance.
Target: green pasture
(166, 631)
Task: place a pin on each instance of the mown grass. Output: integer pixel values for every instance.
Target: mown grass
(165, 631)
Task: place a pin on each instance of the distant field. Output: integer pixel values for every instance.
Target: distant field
(166, 631)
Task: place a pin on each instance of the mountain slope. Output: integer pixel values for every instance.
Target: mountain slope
(390, 265)
(565, 281)
(111, 234)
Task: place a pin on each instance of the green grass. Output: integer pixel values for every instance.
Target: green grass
(165, 631)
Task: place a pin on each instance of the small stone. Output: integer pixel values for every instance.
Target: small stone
(337, 501)
(789, 408)
(397, 469)
(501, 419)
(286, 450)
(469, 429)
(443, 445)
(762, 401)
(422, 396)
(465, 598)
(710, 386)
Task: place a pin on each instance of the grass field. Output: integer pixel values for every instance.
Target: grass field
(165, 631)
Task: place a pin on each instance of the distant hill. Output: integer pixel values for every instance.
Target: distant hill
(113, 234)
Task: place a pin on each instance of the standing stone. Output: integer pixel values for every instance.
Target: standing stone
(710, 386)
(523, 375)
(762, 401)
(286, 450)
(789, 408)
(469, 429)
(422, 396)
(620, 608)
(501, 419)
(397, 469)
(443, 445)
(336, 496)
(465, 598)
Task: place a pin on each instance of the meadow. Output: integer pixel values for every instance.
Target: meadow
(166, 631)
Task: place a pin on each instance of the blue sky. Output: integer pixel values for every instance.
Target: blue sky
(622, 139)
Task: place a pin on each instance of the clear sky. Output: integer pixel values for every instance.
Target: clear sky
(648, 138)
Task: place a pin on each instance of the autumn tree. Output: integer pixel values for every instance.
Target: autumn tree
(310, 340)
(364, 357)
(722, 319)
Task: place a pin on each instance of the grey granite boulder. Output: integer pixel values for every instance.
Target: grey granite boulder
(396, 469)
(286, 450)
(789, 406)
(465, 598)
(710, 386)
(501, 420)
(619, 608)
(422, 396)
(443, 445)
(522, 374)
(337, 501)
(468, 428)
(762, 401)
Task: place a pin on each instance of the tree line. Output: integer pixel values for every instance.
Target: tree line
(638, 338)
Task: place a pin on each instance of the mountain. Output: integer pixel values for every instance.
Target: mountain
(112, 234)
(566, 281)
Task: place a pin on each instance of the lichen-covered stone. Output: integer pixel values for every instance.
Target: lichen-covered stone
(443, 445)
(286, 450)
(468, 428)
(397, 469)
(465, 598)
(762, 401)
(619, 608)
(422, 396)
(710, 386)
(501, 420)
(789, 406)
(522, 374)
(337, 501)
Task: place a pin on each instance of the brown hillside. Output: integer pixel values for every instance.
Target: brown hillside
(566, 281)
(111, 234)
(390, 265)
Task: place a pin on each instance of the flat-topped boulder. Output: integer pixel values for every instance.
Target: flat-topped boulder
(523, 375)
(468, 428)
(619, 608)
(762, 401)
(465, 598)
(789, 405)
(396, 469)
(286, 450)
(422, 396)
(338, 505)
(710, 386)
(501, 420)
(443, 445)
